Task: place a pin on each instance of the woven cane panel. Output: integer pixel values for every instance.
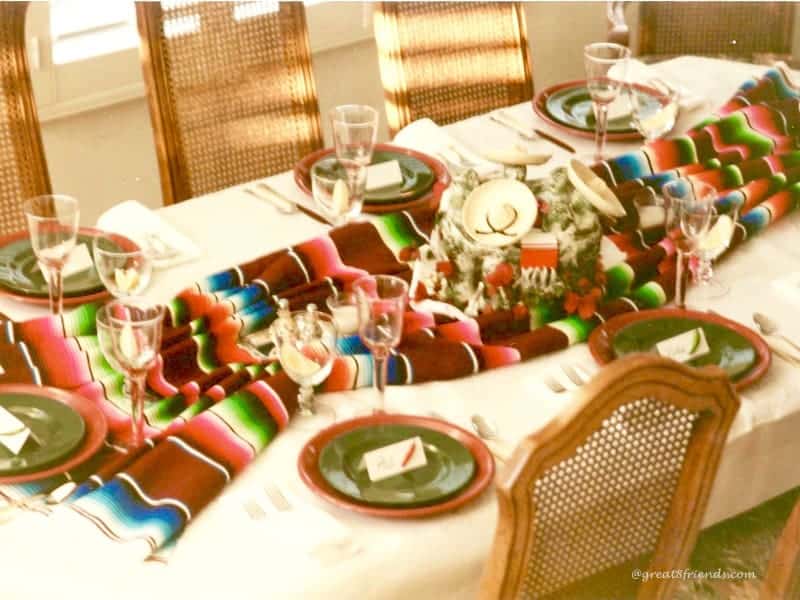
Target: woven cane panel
(239, 93)
(459, 59)
(716, 28)
(607, 503)
(23, 172)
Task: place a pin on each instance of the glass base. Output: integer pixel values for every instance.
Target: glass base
(322, 417)
(590, 158)
(710, 290)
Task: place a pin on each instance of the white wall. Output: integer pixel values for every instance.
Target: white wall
(107, 155)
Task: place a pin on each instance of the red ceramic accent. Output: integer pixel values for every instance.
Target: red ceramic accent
(93, 417)
(603, 353)
(308, 465)
(540, 107)
(121, 240)
(302, 177)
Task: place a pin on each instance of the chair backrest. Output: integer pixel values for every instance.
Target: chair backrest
(735, 29)
(24, 169)
(782, 579)
(625, 472)
(451, 60)
(230, 88)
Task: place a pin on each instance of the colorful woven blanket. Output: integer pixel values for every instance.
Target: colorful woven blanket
(221, 403)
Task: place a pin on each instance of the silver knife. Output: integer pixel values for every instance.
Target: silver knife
(286, 204)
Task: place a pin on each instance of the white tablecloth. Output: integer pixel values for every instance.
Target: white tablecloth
(225, 553)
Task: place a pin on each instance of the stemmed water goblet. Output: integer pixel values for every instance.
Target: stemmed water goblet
(688, 208)
(653, 114)
(606, 66)
(133, 327)
(53, 228)
(355, 129)
(381, 304)
(338, 186)
(123, 272)
(306, 346)
(712, 245)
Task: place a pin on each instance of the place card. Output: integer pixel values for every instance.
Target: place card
(79, 260)
(539, 249)
(394, 459)
(685, 346)
(13, 432)
(383, 175)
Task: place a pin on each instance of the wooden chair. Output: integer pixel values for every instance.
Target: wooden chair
(24, 169)
(451, 60)
(750, 31)
(624, 473)
(230, 89)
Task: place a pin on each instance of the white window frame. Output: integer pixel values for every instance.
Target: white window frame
(112, 76)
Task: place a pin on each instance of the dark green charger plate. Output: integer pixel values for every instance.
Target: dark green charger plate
(57, 429)
(418, 178)
(728, 349)
(450, 467)
(24, 277)
(572, 106)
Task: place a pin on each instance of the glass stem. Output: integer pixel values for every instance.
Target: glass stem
(601, 125)
(705, 271)
(380, 356)
(55, 287)
(681, 279)
(137, 383)
(305, 401)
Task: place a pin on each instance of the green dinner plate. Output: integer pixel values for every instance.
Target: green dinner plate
(729, 350)
(57, 431)
(450, 467)
(572, 106)
(418, 177)
(22, 274)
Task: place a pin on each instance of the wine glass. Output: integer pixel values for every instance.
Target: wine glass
(381, 303)
(604, 84)
(306, 347)
(653, 111)
(687, 217)
(338, 187)
(711, 246)
(53, 228)
(355, 128)
(123, 272)
(134, 327)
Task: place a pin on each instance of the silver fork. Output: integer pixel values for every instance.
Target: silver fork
(577, 375)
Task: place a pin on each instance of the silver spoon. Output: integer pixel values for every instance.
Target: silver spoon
(487, 431)
(769, 327)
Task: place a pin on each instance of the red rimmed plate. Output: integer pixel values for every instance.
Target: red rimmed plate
(308, 466)
(123, 242)
(737, 349)
(540, 106)
(95, 432)
(302, 177)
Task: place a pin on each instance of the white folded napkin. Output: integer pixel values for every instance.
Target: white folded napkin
(641, 73)
(426, 136)
(145, 227)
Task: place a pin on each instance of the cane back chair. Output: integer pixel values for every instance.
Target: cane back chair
(624, 473)
(24, 172)
(231, 93)
(750, 31)
(451, 60)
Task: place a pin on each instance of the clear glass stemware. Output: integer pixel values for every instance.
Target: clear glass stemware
(687, 217)
(306, 348)
(653, 112)
(381, 304)
(712, 245)
(355, 129)
(123, 272)
(53, 228)
(338, 187)
(134, 327)
(606, 66)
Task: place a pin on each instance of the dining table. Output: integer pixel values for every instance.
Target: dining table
(227, 552)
